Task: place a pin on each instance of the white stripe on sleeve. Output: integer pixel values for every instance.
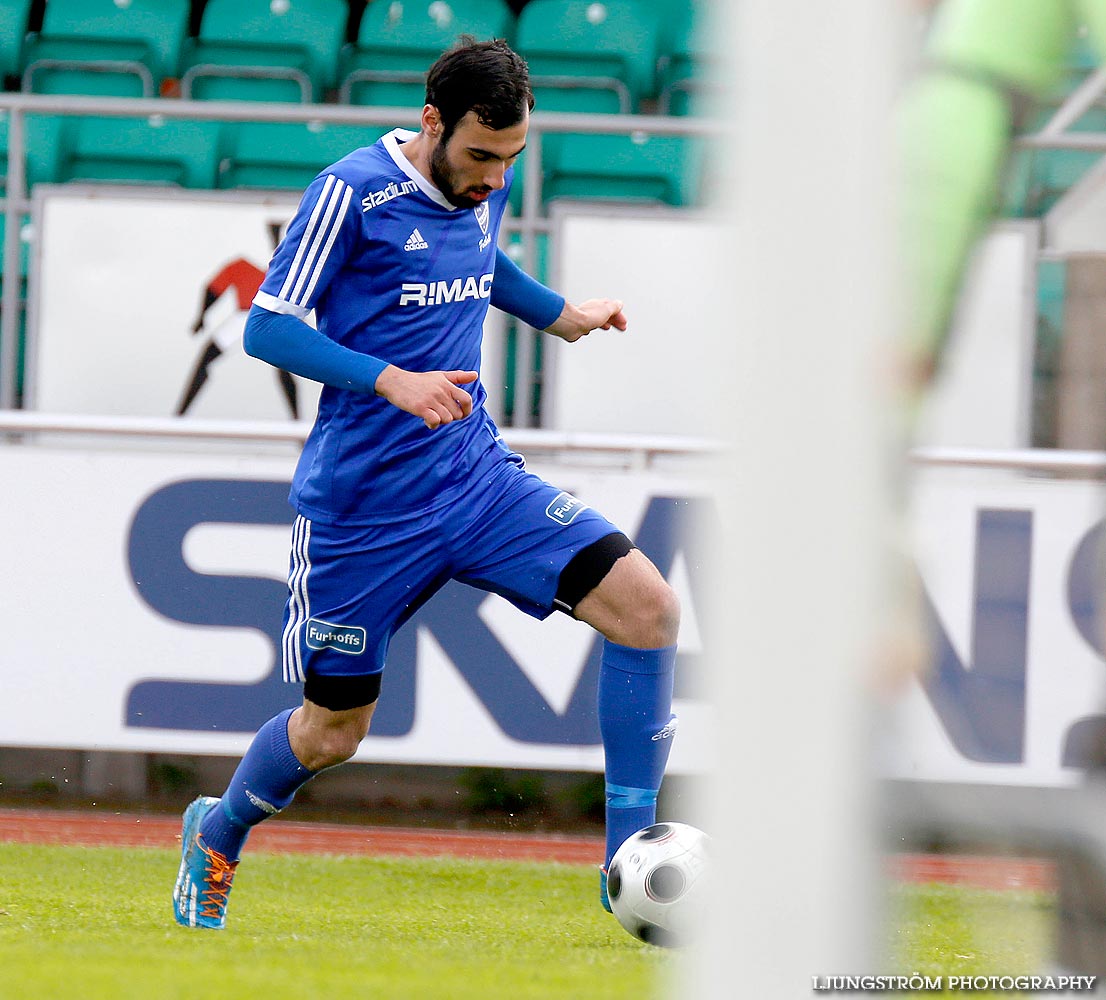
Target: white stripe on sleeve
(307, 237)
(306, 297)
(323, 241)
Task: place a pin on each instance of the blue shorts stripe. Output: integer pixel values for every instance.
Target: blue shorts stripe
(299, 609)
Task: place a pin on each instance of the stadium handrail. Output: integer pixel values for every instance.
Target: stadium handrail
(638, 449)
(1023, 459)
(648, 446)
(14, 201)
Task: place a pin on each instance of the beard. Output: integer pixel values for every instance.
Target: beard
(443, 175)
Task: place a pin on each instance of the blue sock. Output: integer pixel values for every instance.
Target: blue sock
(264, 783)
(637, 725)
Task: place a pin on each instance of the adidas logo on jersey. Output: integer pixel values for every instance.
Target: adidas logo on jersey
(416, 242)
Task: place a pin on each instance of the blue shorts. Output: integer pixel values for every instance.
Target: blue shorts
(351, 587)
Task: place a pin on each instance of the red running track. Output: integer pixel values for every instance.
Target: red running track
(93, 829)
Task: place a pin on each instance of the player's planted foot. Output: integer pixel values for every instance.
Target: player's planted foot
(205, 876)
(604, 899)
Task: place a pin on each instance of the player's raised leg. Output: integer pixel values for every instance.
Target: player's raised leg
(639, 615)
(287, 752)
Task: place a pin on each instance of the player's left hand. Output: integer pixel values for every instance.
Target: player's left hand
(594, 314)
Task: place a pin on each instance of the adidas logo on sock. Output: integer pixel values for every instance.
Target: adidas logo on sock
(416, 242)
(666, 732)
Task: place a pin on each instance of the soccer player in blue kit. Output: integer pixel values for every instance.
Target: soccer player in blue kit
(404, 482)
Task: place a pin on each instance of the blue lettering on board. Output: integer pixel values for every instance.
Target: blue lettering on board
(173, 589)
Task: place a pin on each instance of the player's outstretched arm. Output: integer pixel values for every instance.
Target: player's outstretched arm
(434, 397)
(594, 314)
(290, 344)
(515, 292)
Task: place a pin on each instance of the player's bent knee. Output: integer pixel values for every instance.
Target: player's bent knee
(659, 617)
(335, 719)
(325, 739)
(337, 746)
(668, 615)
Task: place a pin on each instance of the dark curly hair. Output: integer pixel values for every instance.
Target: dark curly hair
(489, 79)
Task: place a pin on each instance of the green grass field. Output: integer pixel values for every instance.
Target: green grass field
(938, 930)
(96, 924)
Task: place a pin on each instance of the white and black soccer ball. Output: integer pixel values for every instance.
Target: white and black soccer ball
(656, 883)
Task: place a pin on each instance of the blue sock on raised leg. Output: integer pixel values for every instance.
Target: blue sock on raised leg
(266, 781)
(637, 726)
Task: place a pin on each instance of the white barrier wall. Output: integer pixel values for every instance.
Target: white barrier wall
(143, 591)
(121, 281)
(142, 599)
(984, 392)
(1012, 582)
(669, 269)
(125, 278)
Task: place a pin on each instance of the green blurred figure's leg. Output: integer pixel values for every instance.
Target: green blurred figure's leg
(986, 63)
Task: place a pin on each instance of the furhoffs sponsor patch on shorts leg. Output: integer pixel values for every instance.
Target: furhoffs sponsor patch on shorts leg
(564, 508)
(342, 638)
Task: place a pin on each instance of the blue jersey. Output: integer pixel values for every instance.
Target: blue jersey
(391, 269)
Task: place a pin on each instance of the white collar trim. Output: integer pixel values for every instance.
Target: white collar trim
(392, 141)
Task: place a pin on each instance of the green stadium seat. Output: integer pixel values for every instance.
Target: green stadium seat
(689, 64)
(517, 329)
(24, 247)
(586, 55)
(24, 260)
(265, 50)
(13, 28)
(106, 49)
(1051, 285)
(43, 135)
(398, 41)
(638, 167)
(118, 50)
(159, 151)
(286, 156)
(1035, 179)
(64, 148)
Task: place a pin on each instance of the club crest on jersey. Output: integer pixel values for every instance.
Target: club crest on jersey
(564, 508)
(341, 638)
(483, 216)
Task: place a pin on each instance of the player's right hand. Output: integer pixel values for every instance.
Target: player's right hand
(434, 397)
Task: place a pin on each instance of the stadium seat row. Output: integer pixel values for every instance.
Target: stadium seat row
(286, 156)
(585, 56)
(621, 52)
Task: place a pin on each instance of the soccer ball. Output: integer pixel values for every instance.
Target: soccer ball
(656, 880)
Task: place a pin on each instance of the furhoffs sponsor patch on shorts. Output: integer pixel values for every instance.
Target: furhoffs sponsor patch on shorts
(564, 508)
(343, 638)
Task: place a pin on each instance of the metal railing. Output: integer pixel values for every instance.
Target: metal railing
(1046, 460)
(635, 451)
(641, 449)
(15, 201)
